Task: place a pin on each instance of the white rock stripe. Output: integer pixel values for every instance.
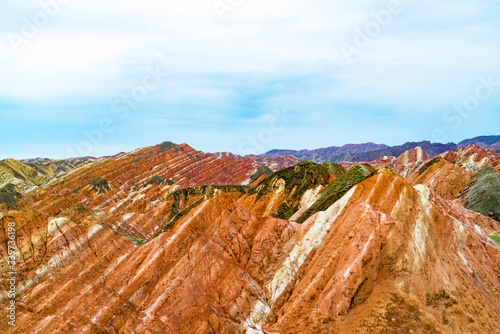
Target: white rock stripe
(290, 267)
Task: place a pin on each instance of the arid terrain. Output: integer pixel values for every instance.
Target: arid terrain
(168, 239)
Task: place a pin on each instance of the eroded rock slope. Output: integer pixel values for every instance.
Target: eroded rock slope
(170, 240)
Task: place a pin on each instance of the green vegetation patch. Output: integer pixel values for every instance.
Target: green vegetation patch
(337, 189)
(9, 195)
(97, 180)
(296, 180)
(429, 164)
(137, 160)
(137, 241)
(496, 238)
(100, 185)
(483, 195)
(157, 179)
(168, 145)
(334, 169)
(77, 190)
(79, 213)
(79, 208)
(261, 171)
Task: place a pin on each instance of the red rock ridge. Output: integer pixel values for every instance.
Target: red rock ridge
(386, 257)
(472, 157)
(406, 164)
(131, 206)
(274, 163)
(446, 179)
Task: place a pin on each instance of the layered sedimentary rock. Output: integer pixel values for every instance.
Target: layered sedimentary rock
(411, 161)
(274, 163)
(28, 176)
(372, 152)
(405, 165)
(334, 191)
(131, 194)
(167, 239)
(386, 257)
(446, 179)
(287, 190)
(472, 157)
(448, 175)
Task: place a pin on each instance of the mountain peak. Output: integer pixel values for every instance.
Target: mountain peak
(177, 234)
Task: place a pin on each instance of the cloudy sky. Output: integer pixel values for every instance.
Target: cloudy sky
(99, 77)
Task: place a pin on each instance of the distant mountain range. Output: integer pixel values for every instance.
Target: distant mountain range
(490, 142)
(371, 151)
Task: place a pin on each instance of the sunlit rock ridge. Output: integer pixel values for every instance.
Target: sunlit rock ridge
(168, 239)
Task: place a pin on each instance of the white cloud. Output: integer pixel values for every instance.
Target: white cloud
(264, 55)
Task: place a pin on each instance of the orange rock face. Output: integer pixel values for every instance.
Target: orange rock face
(472, 157)
(168, 254)
(382, 261)
(446, 179)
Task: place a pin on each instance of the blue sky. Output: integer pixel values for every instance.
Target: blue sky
(223, 81)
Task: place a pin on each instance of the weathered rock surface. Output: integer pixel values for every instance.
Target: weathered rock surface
(28, 177)
(274, 163)
(446, 179)
(282, 194)
(204, 253)
(335, 191)
(472, 157)
(405, 165)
